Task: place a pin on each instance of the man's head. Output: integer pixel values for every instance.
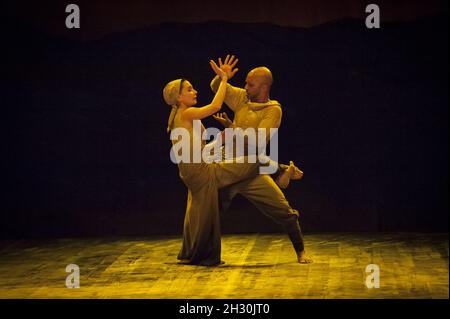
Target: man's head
(258, 84)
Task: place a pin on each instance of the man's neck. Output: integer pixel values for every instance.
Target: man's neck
(261, 100)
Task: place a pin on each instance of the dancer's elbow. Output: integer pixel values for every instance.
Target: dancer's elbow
(214, 84)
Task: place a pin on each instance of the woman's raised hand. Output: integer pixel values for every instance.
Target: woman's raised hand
(222, 74)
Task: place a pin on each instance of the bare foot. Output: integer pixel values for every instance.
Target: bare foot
(285, 177)
(292, 172)
(303, 258)
(297, 173)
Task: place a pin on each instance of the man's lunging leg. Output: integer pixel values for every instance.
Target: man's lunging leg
(263, 192)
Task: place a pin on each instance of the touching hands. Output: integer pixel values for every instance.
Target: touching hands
(228, 66)
(222, 74)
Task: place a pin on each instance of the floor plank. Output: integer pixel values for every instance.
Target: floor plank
(257, 266)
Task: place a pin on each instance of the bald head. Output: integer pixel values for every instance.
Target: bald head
(263, 74)
(258, 84)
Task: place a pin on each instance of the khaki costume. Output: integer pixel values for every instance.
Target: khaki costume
(201, 231)
(262, 191)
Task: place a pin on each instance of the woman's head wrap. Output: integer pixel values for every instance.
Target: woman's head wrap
(171, 92)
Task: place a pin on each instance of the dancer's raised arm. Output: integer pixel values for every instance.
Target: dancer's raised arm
(234, 96)
(198, 113)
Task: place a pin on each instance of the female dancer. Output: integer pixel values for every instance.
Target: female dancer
(201, 231)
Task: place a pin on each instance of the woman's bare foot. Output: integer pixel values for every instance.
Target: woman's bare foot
(303, 258)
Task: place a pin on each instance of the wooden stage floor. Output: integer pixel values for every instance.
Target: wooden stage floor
(258, 266)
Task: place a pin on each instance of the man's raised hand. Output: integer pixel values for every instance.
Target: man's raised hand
(229, 65)
(223, 119)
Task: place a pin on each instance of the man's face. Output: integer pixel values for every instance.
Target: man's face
(252, 86)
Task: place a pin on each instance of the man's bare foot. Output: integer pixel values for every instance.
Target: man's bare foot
(297, 173)
(292, 172)
(285, 177)
(303, 258)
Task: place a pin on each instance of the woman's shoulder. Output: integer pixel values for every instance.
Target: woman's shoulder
(180, 122)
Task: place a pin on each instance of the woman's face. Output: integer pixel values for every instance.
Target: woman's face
(188, 95)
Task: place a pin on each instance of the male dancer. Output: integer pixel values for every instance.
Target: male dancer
(253, 108)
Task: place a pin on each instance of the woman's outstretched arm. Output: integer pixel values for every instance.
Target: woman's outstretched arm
(198, 113)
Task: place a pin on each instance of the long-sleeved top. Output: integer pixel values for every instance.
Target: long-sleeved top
(249, 114)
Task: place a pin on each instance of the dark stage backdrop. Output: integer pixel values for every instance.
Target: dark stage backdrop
(365, 116)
